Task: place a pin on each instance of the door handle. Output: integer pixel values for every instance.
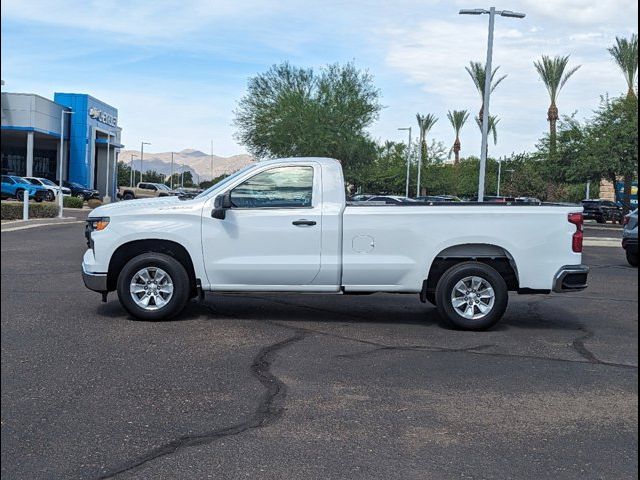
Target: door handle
(303, 222)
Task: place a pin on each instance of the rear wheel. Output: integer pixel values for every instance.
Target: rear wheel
(472, 296)
(632, 257)
(20, 194)
(601, 219)
(128, 196)
(153, 286)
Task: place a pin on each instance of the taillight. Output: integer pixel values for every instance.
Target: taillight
(576, 242)
(625, 220)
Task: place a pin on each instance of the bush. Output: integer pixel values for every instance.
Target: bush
(94, 203)
(13, 210)
(72, 202)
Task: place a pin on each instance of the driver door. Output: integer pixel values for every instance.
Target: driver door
(271, 234)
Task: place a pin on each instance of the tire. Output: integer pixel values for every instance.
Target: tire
(50, 196)
(20, 195)
(464, 274)
(601, 219)
(632, 258)
(152, 263)
(81, 196)
(38, 199)
(128, 196)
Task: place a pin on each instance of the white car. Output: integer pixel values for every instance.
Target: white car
(53, 189)
(284, 226)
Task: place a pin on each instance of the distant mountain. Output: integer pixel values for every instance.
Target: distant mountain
(195, 161)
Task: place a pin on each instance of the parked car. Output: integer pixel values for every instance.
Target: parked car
(53, 189)
(14, 187)
(283, 225)
(602, 211)
(80, 191)
(438, 198)
(390, 199)
(494, 199)
(145, 190)
(630, 237)
(529, 200)
(360, 198)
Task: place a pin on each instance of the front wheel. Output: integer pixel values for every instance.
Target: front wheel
(472, 296)
(153, 286)
(20, 195)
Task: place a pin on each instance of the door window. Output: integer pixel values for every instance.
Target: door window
(281, 187)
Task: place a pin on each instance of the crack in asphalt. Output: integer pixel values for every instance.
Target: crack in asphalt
(268, 410)
(415, 348)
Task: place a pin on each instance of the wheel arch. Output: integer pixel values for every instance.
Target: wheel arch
(493, 255)
(129, 250)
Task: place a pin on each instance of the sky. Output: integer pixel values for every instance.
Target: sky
(175, 69)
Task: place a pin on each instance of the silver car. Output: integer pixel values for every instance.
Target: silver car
(630, 237)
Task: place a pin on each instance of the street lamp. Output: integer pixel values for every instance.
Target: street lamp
(142, 144)
(487, 85)
(60, 202)
(406, 188)
(131, 166)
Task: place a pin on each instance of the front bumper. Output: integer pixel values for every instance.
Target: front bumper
(571, 278)
(94, 281)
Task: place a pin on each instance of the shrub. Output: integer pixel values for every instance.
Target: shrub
(72, 202)
(94, 203)
(13, 210)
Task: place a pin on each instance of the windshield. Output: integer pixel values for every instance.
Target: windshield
(22, 180)
(225, 180)
(162, 186)
(33, 181)
(46, 181)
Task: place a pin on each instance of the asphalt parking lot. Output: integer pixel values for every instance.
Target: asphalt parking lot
(313, 387)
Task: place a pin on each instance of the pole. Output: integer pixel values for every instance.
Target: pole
(499, 171)
(141, 158)
(182, 175)
(588, 190)
(419, 167)
(107, 197)
(60, 201)
(211, 159)
(171, 171)
(485, 116)
(131, 164)
(408, 164)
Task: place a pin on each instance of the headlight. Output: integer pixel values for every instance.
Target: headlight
(98, 224)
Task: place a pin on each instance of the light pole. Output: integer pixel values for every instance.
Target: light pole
(487, 85)
(406, 188)
(131, 165)
(211, 159)
(499, 171)
(142, 144)
(171, 181)
(107, 197)
(60, 201)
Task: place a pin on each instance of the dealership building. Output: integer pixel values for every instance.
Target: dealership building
(32, 127)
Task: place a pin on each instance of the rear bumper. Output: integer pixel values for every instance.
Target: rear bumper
(94, 281)
(571, 278)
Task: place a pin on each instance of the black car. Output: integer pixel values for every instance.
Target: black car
(602, 211)
(494, 199)
(81, 191)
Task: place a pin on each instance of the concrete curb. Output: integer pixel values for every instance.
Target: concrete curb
(15, 225)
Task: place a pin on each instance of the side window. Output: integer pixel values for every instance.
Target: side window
(8, 180)
(281, 187)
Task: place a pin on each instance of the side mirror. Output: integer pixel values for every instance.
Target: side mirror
(220, 206)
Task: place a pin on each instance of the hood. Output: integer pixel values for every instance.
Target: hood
(143, 205)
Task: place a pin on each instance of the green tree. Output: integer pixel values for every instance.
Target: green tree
(425, 124)
(477, 73)
(292, 111)
(457, 118)
(625, 54)
(554, 74)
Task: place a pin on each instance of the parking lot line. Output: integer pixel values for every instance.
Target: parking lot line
(602, 242)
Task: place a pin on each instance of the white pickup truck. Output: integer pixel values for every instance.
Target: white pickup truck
(285, 226)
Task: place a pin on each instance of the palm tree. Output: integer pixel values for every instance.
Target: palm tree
(457, 118)
(477, 73)
(625, 54)
(425, 123)
(493, 130)
(553, 74)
